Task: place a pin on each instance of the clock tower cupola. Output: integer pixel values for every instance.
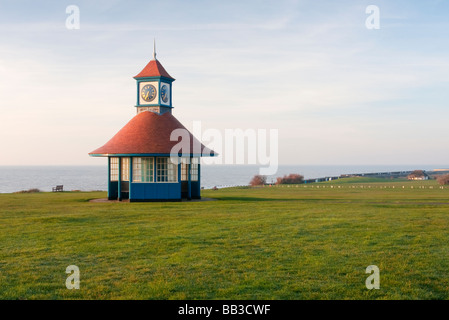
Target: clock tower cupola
(154, 88)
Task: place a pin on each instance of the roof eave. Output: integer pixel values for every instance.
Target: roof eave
(151, 155)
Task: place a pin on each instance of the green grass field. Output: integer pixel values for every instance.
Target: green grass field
(298, 242)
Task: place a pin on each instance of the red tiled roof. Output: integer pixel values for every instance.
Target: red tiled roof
(148, 133)
(153, 69)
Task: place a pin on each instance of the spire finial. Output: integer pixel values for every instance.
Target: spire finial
(154, 48)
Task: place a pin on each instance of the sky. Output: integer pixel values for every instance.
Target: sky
(337, 92)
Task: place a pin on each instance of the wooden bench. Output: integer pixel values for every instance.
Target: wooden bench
(58, 189)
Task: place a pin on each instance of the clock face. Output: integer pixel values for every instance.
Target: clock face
(148, 93)
(164, 93)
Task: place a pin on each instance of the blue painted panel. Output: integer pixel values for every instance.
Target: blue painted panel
(137, 191)
(196, 189)
(158, 192)
(140, 79)
(113, 190)
(152, 105)
(149, 191)
(196, 185)
(174, 191)
(163, 191)
(155, 191)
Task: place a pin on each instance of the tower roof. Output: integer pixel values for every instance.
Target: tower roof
(149, 133)
(154, 69)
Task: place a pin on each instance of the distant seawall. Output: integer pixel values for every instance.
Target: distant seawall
(387, 174)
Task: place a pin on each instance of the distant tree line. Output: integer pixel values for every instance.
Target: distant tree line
(258, 180)
(293, 178)
(443, 180)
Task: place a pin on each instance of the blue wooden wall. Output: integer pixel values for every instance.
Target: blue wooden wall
(155, 191)
(113, 190)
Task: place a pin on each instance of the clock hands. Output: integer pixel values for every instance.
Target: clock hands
(148, 93)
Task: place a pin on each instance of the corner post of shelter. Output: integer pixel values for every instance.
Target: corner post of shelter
(199, 178)
(189, 179)
(109, 179)
(180, 175)
(130, 177)
(119, 187)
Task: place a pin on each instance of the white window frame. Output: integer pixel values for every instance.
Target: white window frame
(113, 170)
(125, 168)
(184, 169)
(169, 173)
(194, 169)
(138, 170)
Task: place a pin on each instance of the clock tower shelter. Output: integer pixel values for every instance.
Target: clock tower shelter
(154, 88)
(144, 162)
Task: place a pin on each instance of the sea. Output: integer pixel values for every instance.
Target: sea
(90, 178)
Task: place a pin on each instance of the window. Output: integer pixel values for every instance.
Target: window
(114, 169)
(172, 171)
(125, 169)
(184, 169)
(193, 169)
(166, 170)
(143, 169)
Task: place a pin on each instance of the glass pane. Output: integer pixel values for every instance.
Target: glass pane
(114, 168)
(125, 169)
(137, 169)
